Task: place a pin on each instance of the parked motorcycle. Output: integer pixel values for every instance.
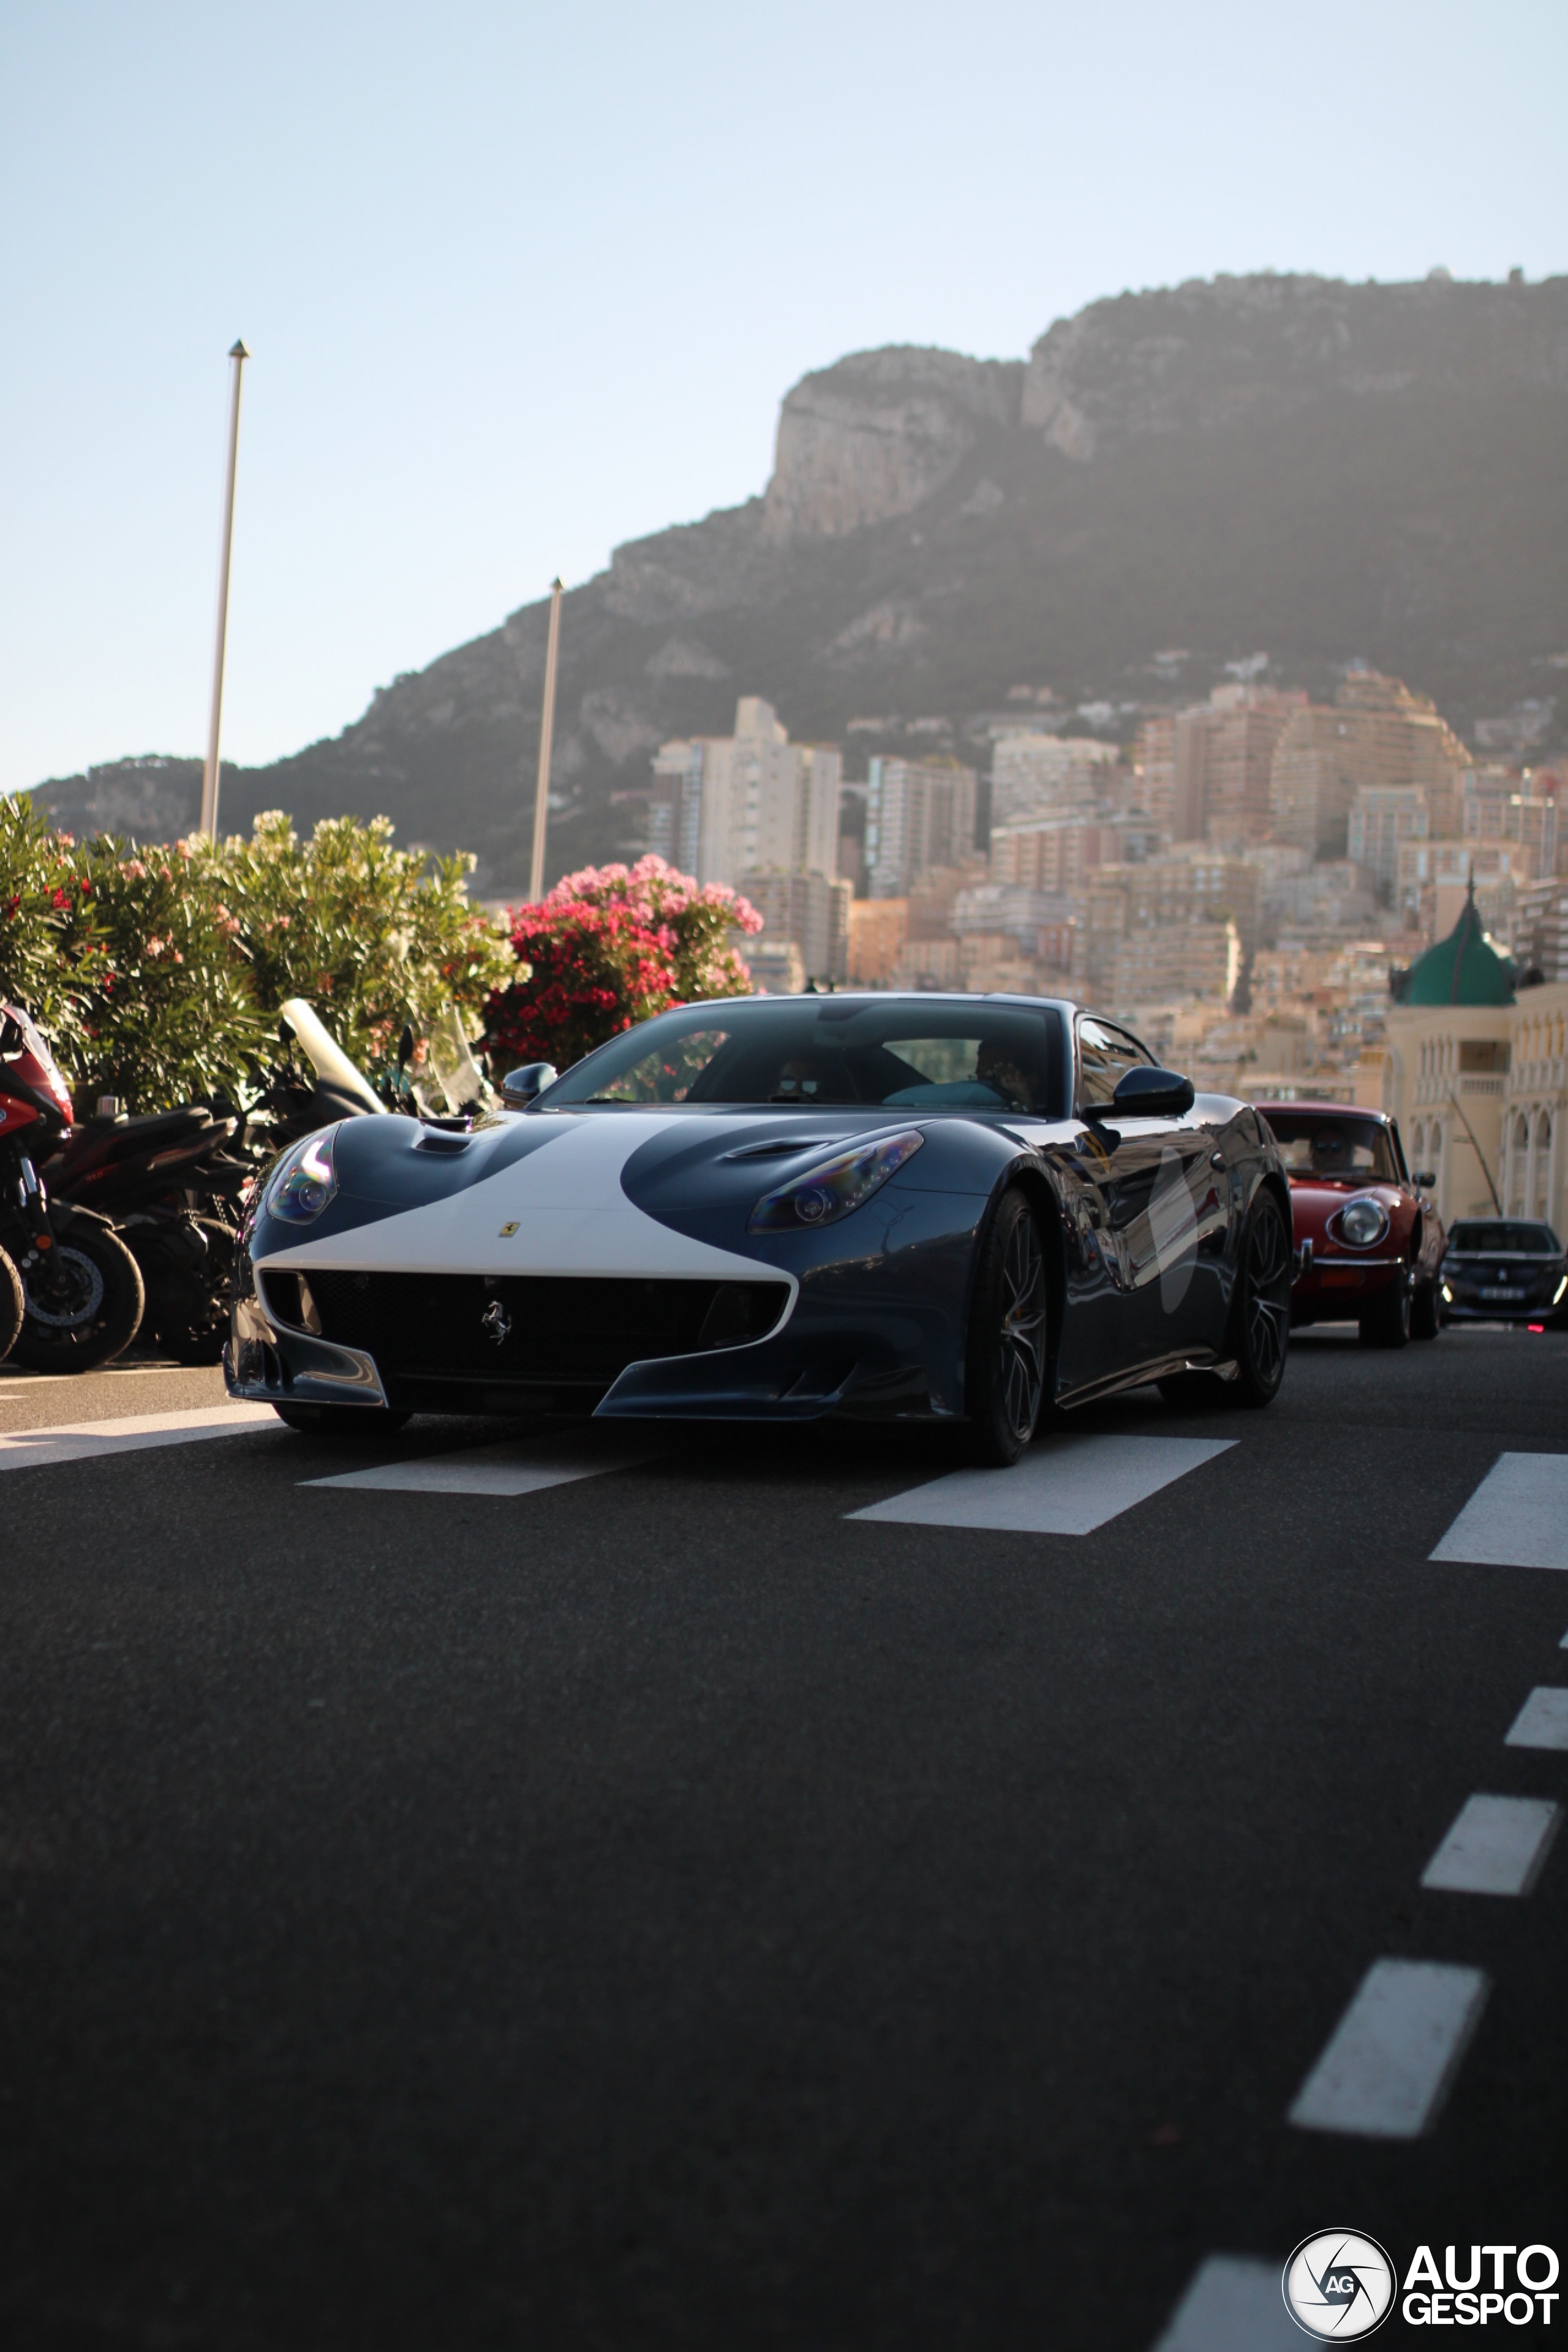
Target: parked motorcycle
(175, 1196)
(176, 1182)
(82, 1295)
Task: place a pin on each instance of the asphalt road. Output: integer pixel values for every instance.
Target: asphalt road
(662, 1911)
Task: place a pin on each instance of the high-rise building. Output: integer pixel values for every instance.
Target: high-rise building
(1222, 764)
(1155, 763)
(1500, 804)
(1382, 817)
(1052, 853)
(726, 806)
(920, 813)
(1377, 733)
(808, 908)
(1047, 775)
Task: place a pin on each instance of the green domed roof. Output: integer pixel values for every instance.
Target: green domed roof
(1463, 968)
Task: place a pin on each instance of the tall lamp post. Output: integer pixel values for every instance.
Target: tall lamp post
(546, 736)
(237, 355)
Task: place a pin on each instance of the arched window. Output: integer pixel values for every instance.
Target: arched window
(1517, 1177)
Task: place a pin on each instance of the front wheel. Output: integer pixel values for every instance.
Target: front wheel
(1260, 1311)
(1386, 1323)
(1425, 1320)
(82, 1301)
(1006, 1375)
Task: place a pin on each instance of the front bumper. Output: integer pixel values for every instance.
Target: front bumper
(878, 1336)
(1339, 1289)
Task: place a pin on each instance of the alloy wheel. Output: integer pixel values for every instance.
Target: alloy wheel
(1023, 1328)
(1267, 1294)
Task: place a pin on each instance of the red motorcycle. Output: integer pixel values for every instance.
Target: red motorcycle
(81, 1295)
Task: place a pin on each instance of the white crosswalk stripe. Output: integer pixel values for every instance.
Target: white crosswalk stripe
(133, 1432)
(489, 1470)
(1389, 2061)
(1235, 2304)
(1517, 1517)
(1498, 1845)
(1542, 1720)
(1063, 1487)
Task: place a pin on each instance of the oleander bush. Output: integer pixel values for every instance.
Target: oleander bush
(609, 946)
(158, 971)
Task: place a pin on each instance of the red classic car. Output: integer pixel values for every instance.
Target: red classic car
(1368, 1245)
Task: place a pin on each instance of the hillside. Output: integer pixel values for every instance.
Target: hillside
(1175, 480)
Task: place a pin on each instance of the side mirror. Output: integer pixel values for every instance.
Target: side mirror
(520, 1087)
(1146, 1093)
(1424, 1178)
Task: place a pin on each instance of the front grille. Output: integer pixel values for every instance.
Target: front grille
(549, 1330)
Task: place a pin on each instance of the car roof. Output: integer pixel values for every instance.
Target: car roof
(1310, 1110)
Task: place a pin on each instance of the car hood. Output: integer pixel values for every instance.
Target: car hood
(654, 1192)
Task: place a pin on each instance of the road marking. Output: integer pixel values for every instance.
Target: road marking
(1497, 1847)
(1542, 1721)
(1234, 2304)
(1393, 2054)
(1517, 1517)
(486, 1470)
(1063, 1487)
(131, 1433)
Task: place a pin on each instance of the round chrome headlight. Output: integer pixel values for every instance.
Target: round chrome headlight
(1363, 1221)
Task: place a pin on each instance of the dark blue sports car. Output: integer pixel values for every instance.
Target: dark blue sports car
(949, 1209)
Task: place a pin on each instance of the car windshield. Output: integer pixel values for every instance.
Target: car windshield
(886, 1053)
(1314, 1143)
(1483, 1237)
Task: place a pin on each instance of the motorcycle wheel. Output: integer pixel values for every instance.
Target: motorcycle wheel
(91, 1313)
(198, 1336)
(12, 1304)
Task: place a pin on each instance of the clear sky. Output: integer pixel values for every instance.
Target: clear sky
(521, 283)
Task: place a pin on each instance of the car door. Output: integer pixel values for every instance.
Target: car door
(1157, 1199)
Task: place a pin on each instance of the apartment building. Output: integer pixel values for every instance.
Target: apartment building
(1048, 776)
(1377, 733)
(722, 806)
(920, 813)
(1054, 853)
(1222, 764)
(1383, 817)
(808, 910)
(1500, 804)
(1182, 959)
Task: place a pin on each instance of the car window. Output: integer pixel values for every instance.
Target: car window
(906, 1054)
(1319, 1144)
(1481, 1236)
(1105, 1054)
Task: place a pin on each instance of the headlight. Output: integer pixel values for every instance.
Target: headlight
(1557, 1294)
(1363, 1221)
(834, 1187)
(304, 1181)
(1448, 1296)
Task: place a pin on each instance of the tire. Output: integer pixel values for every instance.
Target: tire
(345, 1424)
(12, 1304)
(197, 1335)
(1387, 1322)
(1006, 1366)
(99, 1312)
(1425, 1320)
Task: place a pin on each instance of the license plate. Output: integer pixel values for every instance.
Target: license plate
(1500, 1295)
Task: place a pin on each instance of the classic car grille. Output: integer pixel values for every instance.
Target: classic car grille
(550, 1330)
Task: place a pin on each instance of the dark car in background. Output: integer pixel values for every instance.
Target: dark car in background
(1505, 1270)
(1368, 1245)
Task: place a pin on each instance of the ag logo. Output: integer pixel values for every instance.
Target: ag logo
(1339, 2285)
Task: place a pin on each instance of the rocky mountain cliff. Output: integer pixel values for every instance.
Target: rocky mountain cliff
(1279, 467)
